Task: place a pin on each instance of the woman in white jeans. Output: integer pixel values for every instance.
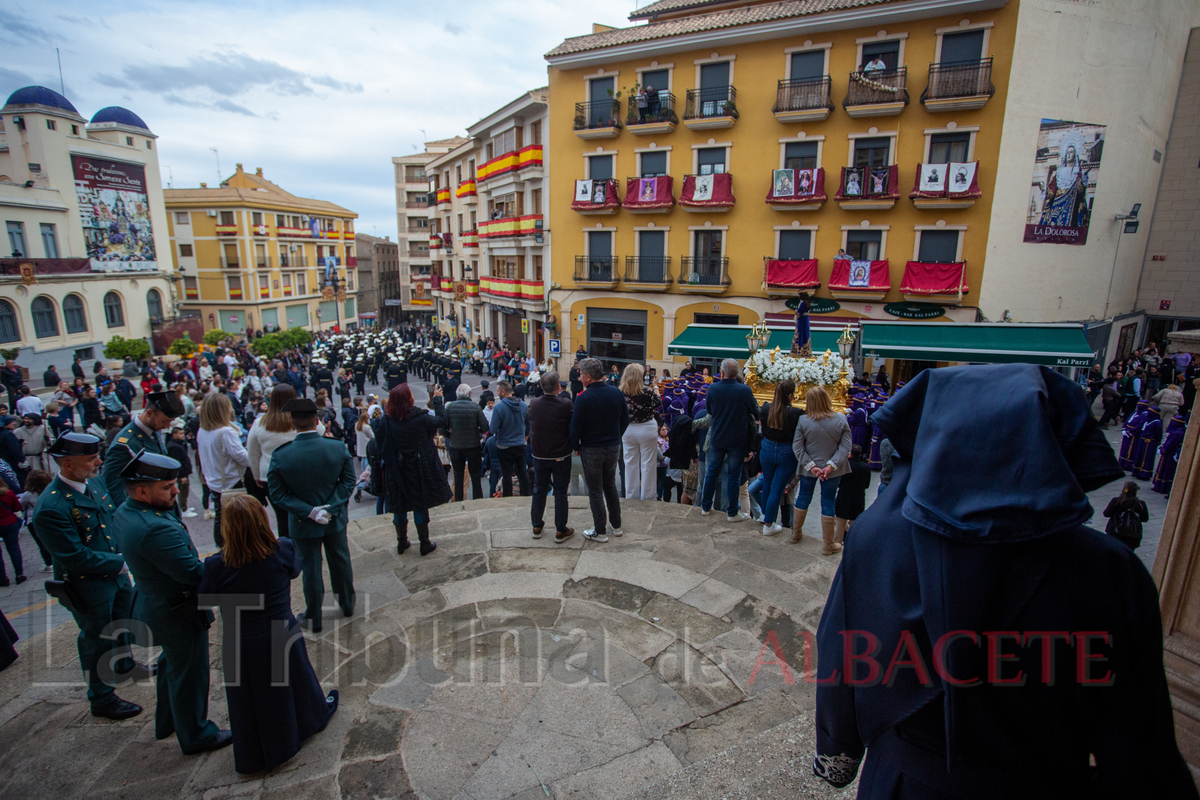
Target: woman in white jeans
(641, 437)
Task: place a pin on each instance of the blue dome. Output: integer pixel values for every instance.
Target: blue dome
(121, 116)
(40, 96)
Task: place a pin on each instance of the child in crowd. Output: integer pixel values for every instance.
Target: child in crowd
(35, 483)
(177, 448)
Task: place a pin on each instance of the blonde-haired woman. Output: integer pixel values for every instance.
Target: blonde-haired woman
(641, 437)
(822, 449)
(219, 445)
(270, 431)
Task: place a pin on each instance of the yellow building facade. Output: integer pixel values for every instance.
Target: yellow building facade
(250, 255)
(744, 92)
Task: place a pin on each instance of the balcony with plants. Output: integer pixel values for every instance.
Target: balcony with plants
(805, 100)
(710, 108)
(599, 119)
(653, 113)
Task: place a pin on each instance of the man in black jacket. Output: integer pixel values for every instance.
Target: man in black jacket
(597, 425)
(486, 395)
(465, 428)
(550, 441)
(50, 378)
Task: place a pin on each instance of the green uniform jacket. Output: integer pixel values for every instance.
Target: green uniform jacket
(81, 536)
(162, 559)
(311, 471)
(129, 442)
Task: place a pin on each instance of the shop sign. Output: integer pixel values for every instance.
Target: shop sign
(816, 305)
(914, 310)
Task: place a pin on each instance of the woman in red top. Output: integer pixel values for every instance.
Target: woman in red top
(148, 381)
(10, 532)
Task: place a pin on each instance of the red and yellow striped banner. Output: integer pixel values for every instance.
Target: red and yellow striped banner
(514, 161)
(465, 189)
(510, 226)
(191, 293)
(435, 242)
(470, 239)
(235, 294)
(227, 230)
(443, 196)
(508, 287)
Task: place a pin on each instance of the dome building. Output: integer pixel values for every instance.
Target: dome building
(86, 254)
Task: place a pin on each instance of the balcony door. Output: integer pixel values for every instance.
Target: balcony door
(707, 252)
(962, 48)
(600, 168)
(800, 155)
(652, 251)
(945, 148)
(887, 52)
(795, 245)
(808, 65)
(600, 95)
(714, 88)
(599, 256)
(653, 164)
(863, 245)
(939, 247)
(710, 160)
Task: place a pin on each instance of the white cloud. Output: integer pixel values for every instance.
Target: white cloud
(319, 95)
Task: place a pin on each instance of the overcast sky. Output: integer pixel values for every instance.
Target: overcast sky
(320, 95)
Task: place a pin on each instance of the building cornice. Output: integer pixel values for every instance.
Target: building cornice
(775, 29)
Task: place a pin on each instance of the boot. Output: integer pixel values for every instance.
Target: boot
(427, 546)
(402, 536)
(798, 524)
(840, 526)
(827, 534)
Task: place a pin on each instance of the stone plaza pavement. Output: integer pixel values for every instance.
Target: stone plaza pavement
(497, 667)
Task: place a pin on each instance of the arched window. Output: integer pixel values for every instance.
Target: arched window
(45, 322)
(154, 304)
(8, 323)
(74, 315)
(112, 310)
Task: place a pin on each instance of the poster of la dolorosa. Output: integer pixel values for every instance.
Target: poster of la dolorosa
(1065, 172)
(116, 214)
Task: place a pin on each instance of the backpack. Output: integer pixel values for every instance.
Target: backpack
(1128, 523)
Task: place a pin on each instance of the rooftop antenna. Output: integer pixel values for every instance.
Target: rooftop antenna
(170, 178)
(61, 85)
(219, 173)
(424, 136)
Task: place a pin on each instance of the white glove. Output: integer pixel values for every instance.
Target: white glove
(319, 515)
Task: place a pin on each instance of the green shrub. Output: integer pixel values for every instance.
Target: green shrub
(119, 347)
(10, 353)
(268, 346)
(294, 337)
(214, 337)
(183, 346)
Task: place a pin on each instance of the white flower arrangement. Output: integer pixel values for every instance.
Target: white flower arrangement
(772, 367)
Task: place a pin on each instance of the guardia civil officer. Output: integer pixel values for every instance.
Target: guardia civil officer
(147, 431)
(74, 519)
(167, 569)
(311, 478)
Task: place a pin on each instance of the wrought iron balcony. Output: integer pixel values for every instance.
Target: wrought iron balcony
(704, 272)
(714, 101)
(658, 111)
(806, 99)
(959, 86)
(651, 270)
(877, 92)
(598, 115)
(596, 269)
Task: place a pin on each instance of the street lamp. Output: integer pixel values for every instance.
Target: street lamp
(758, 337)
(845, 344)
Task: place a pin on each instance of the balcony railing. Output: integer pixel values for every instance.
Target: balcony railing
(963, 79)
(659, 109)
(714, 101)
(264, 262)
(648, 269)
(418, 252)
(803, 95)
(293, 261)
(230, 263)
(704, 271)
(596, 269)
(598, 114)
(875, 86)
(417, 204)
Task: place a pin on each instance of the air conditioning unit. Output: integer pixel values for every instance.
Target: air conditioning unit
(211, 213)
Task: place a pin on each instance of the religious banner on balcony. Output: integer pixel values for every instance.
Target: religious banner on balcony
(933, 179)
(645, 194)
(807, 186)
(602, 195)
(115, 211)
(860, 274)
(962, 179)
(928, 278)
(801, 274)
(852, 182)
(783, 182)
(583, 191)
(879, 180)
(714, 190)
(878, 276)
(869, 183)
(1065, 172)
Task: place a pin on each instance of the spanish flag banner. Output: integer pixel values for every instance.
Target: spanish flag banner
(443, 196)
(514, 161)
(465, 189)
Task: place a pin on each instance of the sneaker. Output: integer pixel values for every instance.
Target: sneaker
(209, 513)
(771, 530)
(704, 513)
(189, 513)
(562, 536)
(740, 517)
(537, 532)
(590, 534)
(47, 568)
(615, 531)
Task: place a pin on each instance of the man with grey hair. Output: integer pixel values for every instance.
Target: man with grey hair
(465, 428)
(734, 414)
(597, 425)
(550, 442)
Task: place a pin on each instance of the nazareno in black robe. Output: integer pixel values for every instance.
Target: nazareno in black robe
(980, 542)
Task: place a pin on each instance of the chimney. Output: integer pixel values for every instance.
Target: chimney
(387, 238)
(203, 185)
(258, 171)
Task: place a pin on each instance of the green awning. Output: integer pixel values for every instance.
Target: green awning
(1049, 345)
(729, 341)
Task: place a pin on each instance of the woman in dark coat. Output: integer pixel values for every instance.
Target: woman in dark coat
(852, 494)
(1126, 513)
(269, 721)
(413, 478)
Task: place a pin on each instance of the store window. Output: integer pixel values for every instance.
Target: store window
(617, 336)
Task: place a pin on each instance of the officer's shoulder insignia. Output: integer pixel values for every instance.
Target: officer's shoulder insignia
(123, 439)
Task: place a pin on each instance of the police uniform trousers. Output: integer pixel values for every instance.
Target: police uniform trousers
(181, 705)
(103, 659)
(341, 574)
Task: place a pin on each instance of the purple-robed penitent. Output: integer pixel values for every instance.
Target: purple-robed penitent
(1152, 432)
(1131, 438)
(1168, 456)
